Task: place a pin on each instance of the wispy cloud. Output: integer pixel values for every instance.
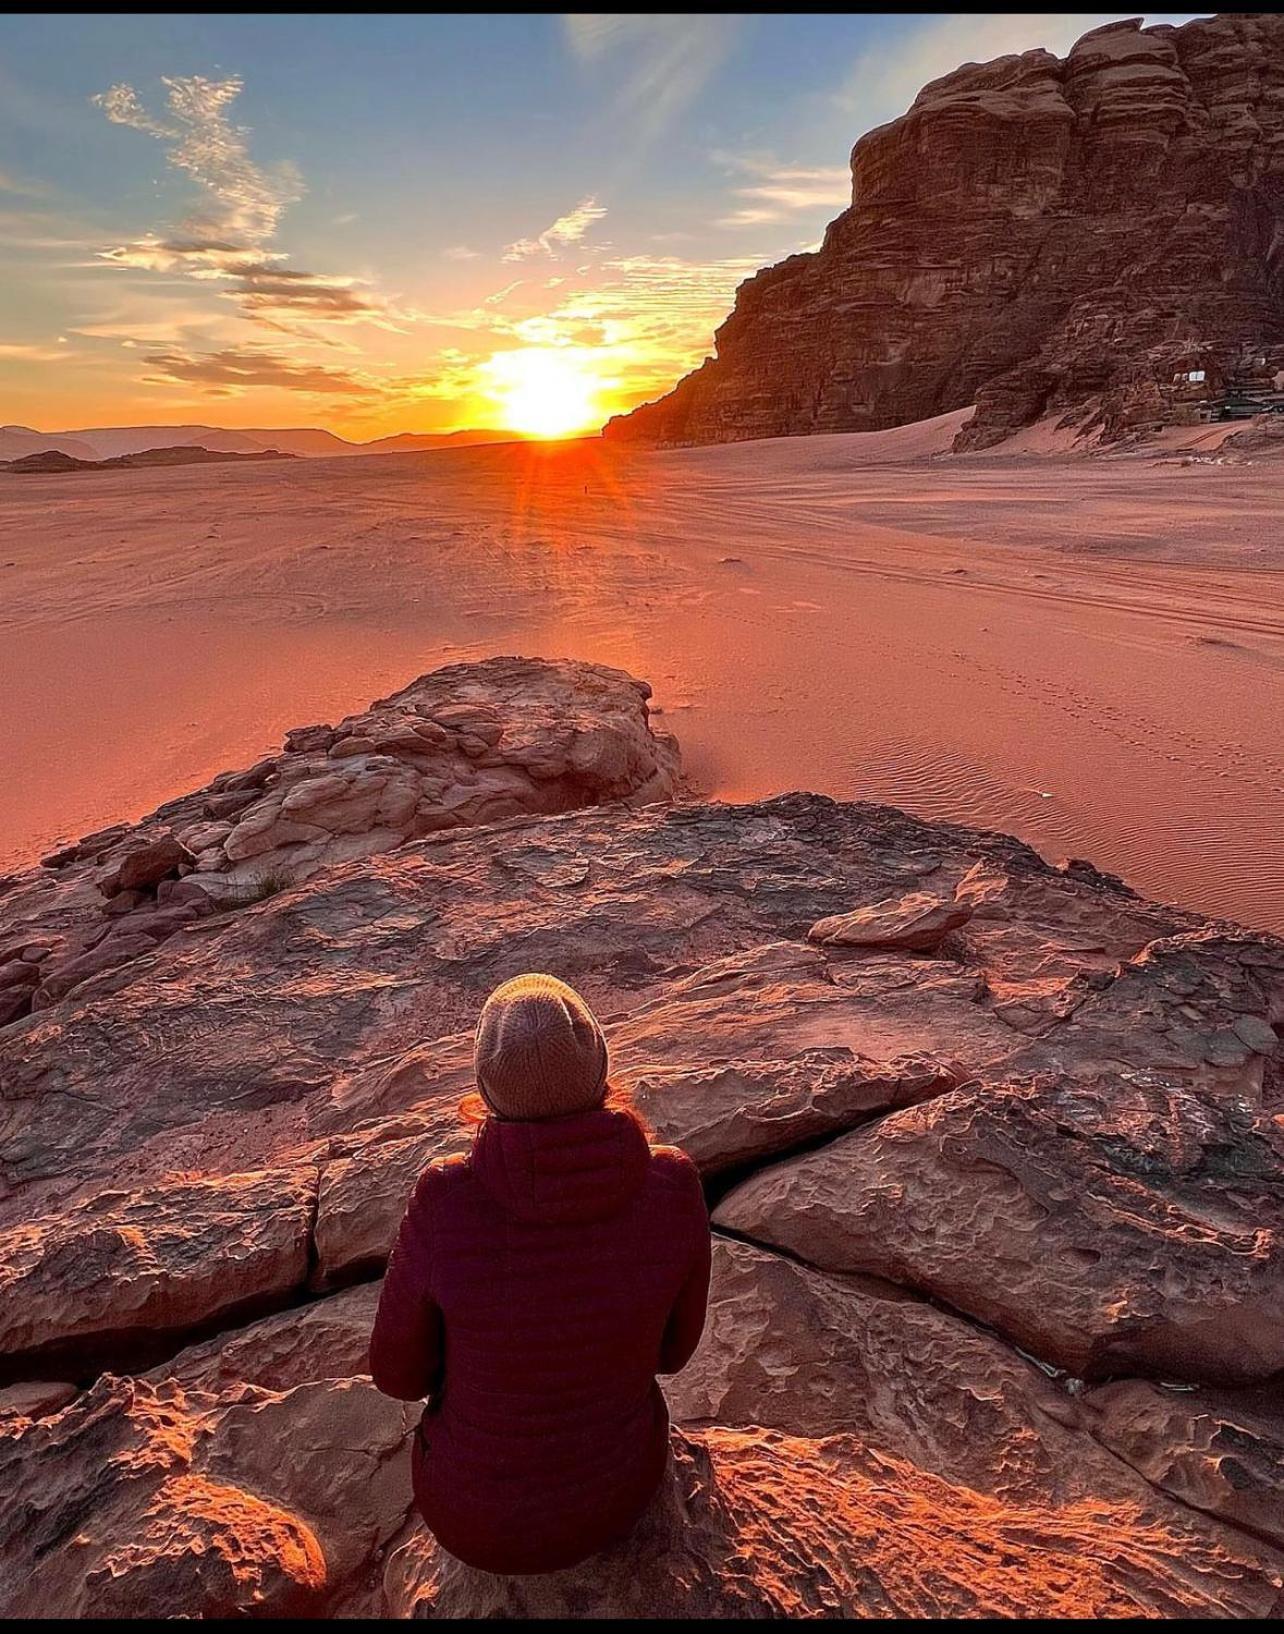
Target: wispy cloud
(9, 183)
(243, 200)
(566, 230)
(886, 78)
(22, 352)
(460, 252)
(656, 313)
(34, 231)
(499, 296)
(663, 61)
(633, 323)
(228, 238)
(773, 191)
(236, 368)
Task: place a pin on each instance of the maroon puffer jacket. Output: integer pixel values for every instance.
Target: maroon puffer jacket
(537, 1287)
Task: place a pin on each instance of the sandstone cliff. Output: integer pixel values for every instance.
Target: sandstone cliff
(1033, 236)
(994, 1151)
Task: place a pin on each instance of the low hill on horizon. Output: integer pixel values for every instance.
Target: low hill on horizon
(97, 443)
(53, 461)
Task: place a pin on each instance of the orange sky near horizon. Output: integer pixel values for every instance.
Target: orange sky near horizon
(388, 224)
(550, 373)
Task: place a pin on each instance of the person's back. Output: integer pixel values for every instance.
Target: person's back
(537, 1287)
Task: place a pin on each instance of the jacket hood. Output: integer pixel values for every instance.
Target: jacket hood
(584, 1167)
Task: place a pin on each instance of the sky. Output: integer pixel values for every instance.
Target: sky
(380, 223)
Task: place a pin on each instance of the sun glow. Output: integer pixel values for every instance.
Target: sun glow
(545, 391)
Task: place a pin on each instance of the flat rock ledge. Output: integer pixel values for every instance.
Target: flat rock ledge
(992, 1147)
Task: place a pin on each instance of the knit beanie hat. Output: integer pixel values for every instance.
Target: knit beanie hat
(540, 1052)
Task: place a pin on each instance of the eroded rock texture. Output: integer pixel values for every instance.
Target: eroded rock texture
(759, 1524)
(466, 744)
(975, 1130)
(1033, 236)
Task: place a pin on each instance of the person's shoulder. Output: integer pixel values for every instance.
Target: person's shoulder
(672, 1167)
(443, 1177)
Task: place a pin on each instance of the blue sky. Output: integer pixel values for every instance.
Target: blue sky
(356, 221)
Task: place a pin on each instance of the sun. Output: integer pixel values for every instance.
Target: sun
(545, 391)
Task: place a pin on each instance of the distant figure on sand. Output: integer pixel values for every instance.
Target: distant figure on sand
(538, 1285)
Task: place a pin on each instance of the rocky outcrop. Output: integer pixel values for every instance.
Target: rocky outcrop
(871, 1454)
(1038, 1210)
(467, 744)
(992, 1147)
(1034, 236)
(757, 1524)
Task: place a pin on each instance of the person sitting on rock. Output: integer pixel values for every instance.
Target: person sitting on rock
(538, 1285)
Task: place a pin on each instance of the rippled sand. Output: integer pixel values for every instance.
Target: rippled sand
(1087, 653)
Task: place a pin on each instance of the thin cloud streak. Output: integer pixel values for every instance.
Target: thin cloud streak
(776, 191)
(228, 239)
(236, 368)
(565, 231)
(663, 61)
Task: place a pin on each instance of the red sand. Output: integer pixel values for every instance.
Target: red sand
(1088, 653)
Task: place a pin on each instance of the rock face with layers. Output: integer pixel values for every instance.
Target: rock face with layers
(1033, 236)
(973, 1128)
(464, 745)
(1107, 1228)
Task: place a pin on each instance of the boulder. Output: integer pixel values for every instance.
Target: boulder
(1128, 1225)
(146, 865)
(917, 923)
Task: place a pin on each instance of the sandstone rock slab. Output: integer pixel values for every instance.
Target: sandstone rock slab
(152, 1537)
(315, 988)
(126, 1269)
(1122, 1227)
(1221, 1451)
(757, 1524)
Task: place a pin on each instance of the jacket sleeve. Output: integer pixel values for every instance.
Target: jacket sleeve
(406, 1349)
(686, 1319)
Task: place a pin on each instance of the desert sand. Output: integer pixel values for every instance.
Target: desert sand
(1088, 653)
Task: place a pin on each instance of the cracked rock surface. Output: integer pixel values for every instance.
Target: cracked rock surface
(996, 1322)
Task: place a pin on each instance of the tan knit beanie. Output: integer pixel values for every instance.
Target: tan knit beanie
(540, 1052)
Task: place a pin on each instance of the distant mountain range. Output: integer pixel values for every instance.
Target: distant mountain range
(109, 442)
